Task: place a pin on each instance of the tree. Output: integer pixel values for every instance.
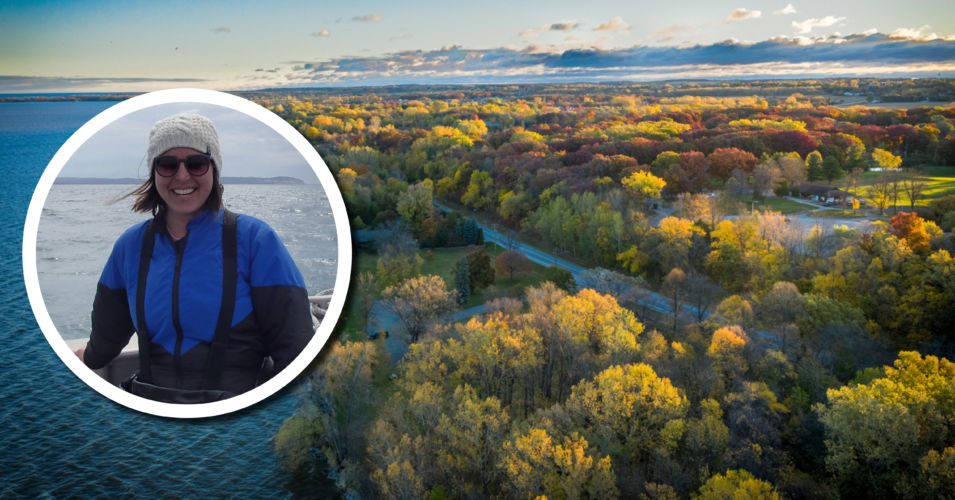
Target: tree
(723, 161)
(831, 170)
(880, 193)
(418, 301)
(479, 268)
(336, 416)
(814, 166)
(910, 227)
(462, 281)
(914, 187)
(510, 262)
(414, 204)
(630, 413)
(878, 433)
(885, 160)
(471, 437)
(644, 185)
(737, 485)
(561, 277)
(535, 464)
(765, 178)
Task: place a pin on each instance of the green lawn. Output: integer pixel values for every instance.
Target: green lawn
(941, 182)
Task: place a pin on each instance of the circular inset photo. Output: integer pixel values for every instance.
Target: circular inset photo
(187, 253)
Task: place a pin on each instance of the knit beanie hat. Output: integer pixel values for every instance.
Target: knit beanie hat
(185, 130)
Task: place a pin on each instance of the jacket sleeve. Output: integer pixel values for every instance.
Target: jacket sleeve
(112, 325)
(279, 298)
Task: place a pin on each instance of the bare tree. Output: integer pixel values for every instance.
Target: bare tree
(913, 185)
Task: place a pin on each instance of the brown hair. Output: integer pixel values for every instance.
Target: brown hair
(148, 199)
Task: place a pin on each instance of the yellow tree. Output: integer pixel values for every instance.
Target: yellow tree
(534, 464)
(630, 413)
(470, 436)
(496, 357)
(737, 485)
(596, 332)
(643, 185)
(880, 434)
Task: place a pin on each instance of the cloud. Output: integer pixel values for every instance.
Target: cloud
(565, 26)
(788, 9)
(800, 56)
(222, 29)
(808, 25)
(368, 18)
(561, 26)
(918, 34)
(741, 14)
(322, 33)
(615, 24)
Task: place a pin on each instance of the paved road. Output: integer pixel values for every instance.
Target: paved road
(646, 298)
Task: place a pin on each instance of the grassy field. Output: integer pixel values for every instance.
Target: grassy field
(941, 182)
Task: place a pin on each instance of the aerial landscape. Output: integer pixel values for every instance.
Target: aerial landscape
(601, 258)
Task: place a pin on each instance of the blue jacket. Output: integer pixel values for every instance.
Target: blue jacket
(182, 301)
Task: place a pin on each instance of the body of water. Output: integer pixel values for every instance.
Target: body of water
(62, 439)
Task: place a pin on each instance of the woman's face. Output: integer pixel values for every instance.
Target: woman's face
(184, 193)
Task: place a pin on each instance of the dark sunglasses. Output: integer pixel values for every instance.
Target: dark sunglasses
(196, 165)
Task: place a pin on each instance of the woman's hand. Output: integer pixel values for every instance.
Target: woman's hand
(79, 352)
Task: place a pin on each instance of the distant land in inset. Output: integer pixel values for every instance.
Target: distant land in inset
(224, 180)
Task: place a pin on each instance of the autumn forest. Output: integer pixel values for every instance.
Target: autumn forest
(749, 290)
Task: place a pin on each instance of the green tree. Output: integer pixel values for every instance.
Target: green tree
(878, 433)
(831, 170)
(814, 166)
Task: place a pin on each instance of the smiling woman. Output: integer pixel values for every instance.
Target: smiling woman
(213, 322)
(216, 299)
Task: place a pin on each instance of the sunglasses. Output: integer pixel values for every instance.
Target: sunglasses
(196, 165)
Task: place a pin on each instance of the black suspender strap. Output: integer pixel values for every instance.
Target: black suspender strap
(142, 334)
(220, 341)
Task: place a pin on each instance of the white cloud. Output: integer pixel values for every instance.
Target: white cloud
(741, 14)
(788, 9)
(808, 25)
(917, 34)
(615, 24)
(322, 33)
(368, 18)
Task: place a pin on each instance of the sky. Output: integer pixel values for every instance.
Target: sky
(114, 46)
(249, 147)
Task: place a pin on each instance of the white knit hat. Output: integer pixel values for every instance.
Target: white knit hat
(185, 130)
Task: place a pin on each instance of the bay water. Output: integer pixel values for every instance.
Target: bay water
(61, 438)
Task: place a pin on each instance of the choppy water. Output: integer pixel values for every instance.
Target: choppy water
(62, 439)
(78, 227)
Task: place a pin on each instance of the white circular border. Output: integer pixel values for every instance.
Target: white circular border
(120, 110)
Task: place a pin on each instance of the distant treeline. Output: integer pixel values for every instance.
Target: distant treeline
(830, 90)
(225, 180)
